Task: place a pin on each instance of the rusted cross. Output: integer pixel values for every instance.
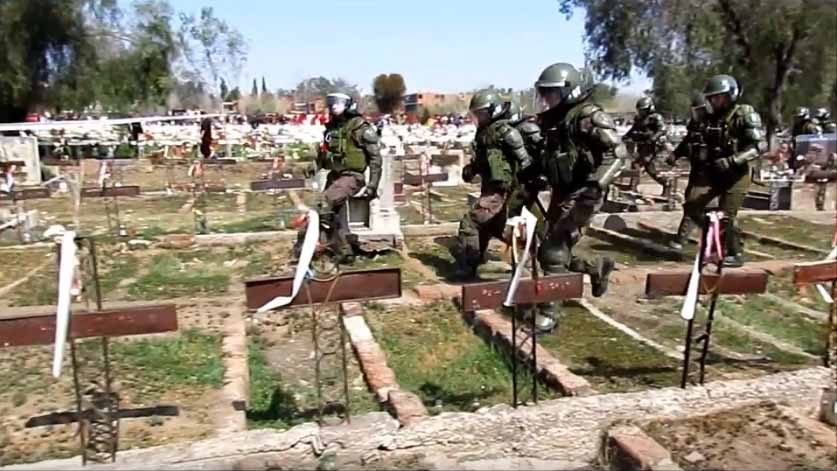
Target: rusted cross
(530, 291)
(99, 418)
(822, 272)
(727, 281)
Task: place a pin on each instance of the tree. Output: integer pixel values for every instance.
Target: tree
(212, 49)
(235, 94)
(254, 92)
(321, 86)
(224, 90)
(388, 91)
(264, 87)
(769, 45)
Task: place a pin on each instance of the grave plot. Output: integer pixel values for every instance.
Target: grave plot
(750, 336)
(283, 390)
(182, 369)
(609, 359)
(764, 436)
(437, 356)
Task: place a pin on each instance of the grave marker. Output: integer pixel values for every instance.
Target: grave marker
(684, 283)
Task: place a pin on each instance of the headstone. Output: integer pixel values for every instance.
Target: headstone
(377, 220)
(22, 149)
(451, 162)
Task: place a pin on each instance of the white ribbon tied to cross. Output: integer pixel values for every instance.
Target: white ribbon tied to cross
(309, 245)
(826, 296)
(528, 222)
(68, 284)
(9, 181)
(104, 174)
(713, 240)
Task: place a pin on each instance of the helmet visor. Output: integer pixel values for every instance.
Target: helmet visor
(337, 104)
(550, 97)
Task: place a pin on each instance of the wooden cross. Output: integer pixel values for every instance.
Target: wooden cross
(359, 285)
(530, 291)
(731, 281)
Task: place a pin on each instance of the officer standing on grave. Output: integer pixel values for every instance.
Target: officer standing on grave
(648, 133)
(803, 124)
(578, 134)
(694, 149)
(501, 161)
(350, 146)
(732, 138)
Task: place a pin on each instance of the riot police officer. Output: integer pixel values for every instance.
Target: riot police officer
(732, 138)
(691, 147)
(803, 124)
(501, 161)
(578, 134)
(527, 192)
(826, 124)
(350, 146)
(648, 134)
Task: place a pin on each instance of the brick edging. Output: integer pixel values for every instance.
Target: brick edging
(496, 328)
(404, 405)
(628, 447)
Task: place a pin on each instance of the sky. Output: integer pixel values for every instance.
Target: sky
(440, 45)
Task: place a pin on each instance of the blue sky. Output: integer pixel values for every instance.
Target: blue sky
(450, 45)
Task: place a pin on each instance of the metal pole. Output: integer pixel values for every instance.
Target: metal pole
(708, 330)
(688, 345)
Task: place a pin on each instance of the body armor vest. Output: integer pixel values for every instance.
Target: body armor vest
(342, 152)
(566, 164)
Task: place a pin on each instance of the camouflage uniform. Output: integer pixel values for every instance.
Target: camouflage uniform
(822, 185)
(350, 146)
(803, 124)
(499, 158)
(732, 137)
(578, 134)
(648, 133)
(527, 193)
(691, 147)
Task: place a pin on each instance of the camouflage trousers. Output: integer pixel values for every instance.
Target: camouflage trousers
(649, 164)
(486, 219)
(566, 217)
(702, 188)
(332, 208)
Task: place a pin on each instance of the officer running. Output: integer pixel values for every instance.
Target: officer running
(578, 134)
(501, 161)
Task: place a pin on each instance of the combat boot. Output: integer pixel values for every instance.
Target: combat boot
(600, 277)
(679, 240)
(732, 259)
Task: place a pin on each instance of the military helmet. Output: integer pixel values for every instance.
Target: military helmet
(487, 100)
(337, 103)
(514, 110)
(803, 112)
(645, 104)
(721, 85)
(823, 114)
(573, 84)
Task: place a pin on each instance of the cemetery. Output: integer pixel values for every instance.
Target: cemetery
(170, 362)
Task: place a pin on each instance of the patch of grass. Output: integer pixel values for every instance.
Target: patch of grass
(268, 222)
(276, 404)
(39, 290)
(117, 269)
(790, 229)
(168, 276)
(608, 358)
(436, 356)
(809, 297)
(192, 359)
(151, 232)
(768, 317)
